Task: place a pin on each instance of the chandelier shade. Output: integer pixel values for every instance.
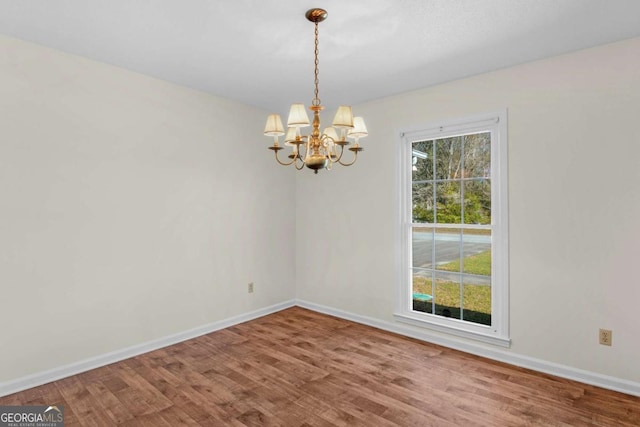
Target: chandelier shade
(291, 135)
(359, 129)
(274, 126)
(343, 117)
(316, 150)
(298, 116)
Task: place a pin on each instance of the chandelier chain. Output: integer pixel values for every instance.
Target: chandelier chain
(316, 100)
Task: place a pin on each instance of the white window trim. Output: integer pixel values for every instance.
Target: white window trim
(496, 123)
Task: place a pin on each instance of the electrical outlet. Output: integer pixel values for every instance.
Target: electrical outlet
(605, 336)
(250, 288)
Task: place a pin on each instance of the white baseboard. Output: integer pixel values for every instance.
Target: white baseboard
(587, 377)
(599, 380)
(40, 378)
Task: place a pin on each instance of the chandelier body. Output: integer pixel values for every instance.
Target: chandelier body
(317, 150)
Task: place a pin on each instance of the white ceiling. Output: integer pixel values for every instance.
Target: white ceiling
(260, 52)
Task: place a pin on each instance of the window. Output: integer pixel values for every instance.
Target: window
(453, 243)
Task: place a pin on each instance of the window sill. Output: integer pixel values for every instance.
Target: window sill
(452, 329)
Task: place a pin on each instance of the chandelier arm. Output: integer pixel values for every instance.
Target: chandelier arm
(332, 159)
(355, 157)
(299, 157)
(341, 153)
(278, 159)
(326, 145)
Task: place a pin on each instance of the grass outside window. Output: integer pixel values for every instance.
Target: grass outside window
(476, 299)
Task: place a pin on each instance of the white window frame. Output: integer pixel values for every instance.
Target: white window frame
(496, 123)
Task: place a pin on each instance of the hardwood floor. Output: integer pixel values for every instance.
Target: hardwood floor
(301, 368)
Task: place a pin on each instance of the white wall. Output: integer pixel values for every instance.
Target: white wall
(130, 209)
(574, 163)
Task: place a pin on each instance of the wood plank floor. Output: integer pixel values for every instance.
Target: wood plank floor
(301, 368)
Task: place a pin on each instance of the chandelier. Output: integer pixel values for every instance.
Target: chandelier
(316, 150)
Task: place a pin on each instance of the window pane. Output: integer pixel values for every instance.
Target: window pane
(448, 202)
(422, 247)
(477, 299)
(447, 246)
(422, 291)
(422, 196)
(422, 160)
(476, 252)
(477, 155)
(477, 201)
(447, 295)
(477, 280)
(448, 158)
